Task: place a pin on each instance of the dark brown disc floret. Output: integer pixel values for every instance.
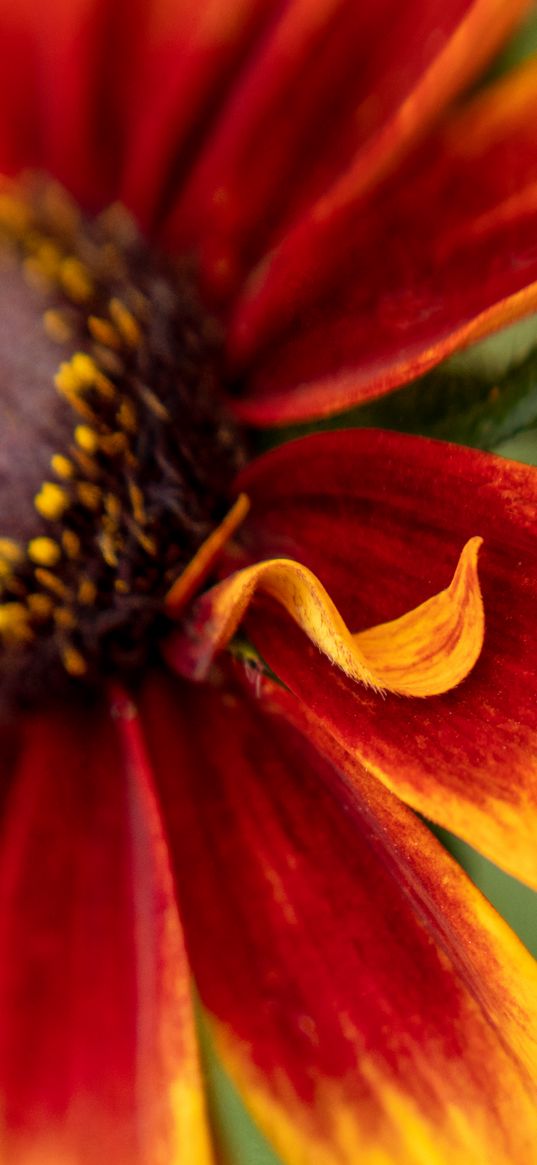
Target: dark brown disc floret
(116, 454)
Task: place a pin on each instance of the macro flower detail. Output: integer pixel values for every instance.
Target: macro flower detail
(137, 484)
(126, 484)
(227, 680)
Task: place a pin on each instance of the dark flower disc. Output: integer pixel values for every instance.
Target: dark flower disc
(116, 454)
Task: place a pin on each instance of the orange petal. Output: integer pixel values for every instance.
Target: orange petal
(424, 652)
(203, 561)
(432, 648)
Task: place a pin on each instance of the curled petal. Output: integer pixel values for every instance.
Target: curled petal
(432, 648)
(424, 652)
(352, 504)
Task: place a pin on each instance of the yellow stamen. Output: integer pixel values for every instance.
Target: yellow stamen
(10, 552)
(44, 551)
(148, 544)
(76, 280)
(40, 606)
(14, 623)
(85, 374)
(139, 302)
(126, 416)
(89, 495)
(48, 257)
(62, 466)
(64, 618)
(84, 369)
(74, 662)
(15, 216)
(104, 386)
(108, 548)
(104, 332)
(72, 379)
(80, 374)
(112, 506)
(137, 503)
(108, 360)
(87, 464)
(72, 395)
(52, 583)
(110, 540)
(51, 501)
(65, 379)
(112, 444)
(87, 592)
(56, 326)
(86, 438)
(121, 586)
(125, 322)
(71, 543)
(152, 401)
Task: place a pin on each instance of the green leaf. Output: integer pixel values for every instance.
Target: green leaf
(516, 902)
(520, 448)
(239, 1140)
(460, 401)
(521, 46)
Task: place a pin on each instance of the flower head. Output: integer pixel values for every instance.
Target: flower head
(167, 820)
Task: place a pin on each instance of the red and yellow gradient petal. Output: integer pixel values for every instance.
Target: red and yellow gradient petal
(366, 1000)
(98, 1057)
(423, 653)
(442, 256)
(380, 519)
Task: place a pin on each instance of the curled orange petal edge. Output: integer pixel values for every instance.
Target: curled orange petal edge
(424, 652)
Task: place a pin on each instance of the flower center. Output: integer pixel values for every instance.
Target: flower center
(115, 453)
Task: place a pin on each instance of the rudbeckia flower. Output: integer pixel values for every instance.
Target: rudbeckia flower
(184, 816)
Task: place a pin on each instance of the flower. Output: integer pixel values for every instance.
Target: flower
(362, 995)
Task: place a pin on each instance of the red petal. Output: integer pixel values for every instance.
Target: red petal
(367, 1001)
(19, 144)
(189, 53)
(334, 94)
(380, 519)
(61, 105)
(444, 254)
(97, 1054)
